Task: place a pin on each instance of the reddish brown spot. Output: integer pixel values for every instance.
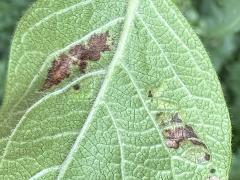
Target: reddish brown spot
(91, 51)
(58, 72)
(98, 44)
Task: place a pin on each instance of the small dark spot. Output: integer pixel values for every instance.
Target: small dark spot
(212, 171)
(159, 114)
(150, 94)
(58, 71)
(207, 157)
(76, 87)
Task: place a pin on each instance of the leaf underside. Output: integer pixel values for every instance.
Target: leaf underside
(149, 105)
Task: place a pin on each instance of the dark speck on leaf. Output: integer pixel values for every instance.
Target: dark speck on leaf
(207, 157)
(150, 93)
(212, 171)
(76, 87)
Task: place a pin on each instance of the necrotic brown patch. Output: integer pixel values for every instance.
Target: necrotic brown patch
(90, 52)
(58, 71)
(176, 135)
(78, 55)
(180, 133)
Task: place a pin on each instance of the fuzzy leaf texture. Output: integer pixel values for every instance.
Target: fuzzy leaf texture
(111, 90)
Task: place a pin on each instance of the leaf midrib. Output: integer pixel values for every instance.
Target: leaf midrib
(131, 10)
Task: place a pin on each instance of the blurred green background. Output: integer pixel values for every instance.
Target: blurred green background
(217, 22)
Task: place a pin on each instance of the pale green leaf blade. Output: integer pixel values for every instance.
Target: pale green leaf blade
(155, 78)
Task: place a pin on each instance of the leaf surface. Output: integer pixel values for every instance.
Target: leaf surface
(148, 106)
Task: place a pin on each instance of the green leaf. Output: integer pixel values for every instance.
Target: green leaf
(146, 103)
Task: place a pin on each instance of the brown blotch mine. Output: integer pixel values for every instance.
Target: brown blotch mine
(58, 71)
(91, 51)
(79, 55)
(176, 135)
(180, 133)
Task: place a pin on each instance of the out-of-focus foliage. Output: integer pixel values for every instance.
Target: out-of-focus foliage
(217, 22)
(220, 17)
(2, 77)
(235, 173)
(10, 13)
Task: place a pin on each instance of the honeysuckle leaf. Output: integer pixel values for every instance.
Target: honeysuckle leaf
(111, 90)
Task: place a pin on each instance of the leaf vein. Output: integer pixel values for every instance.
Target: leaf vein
(44, 172)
